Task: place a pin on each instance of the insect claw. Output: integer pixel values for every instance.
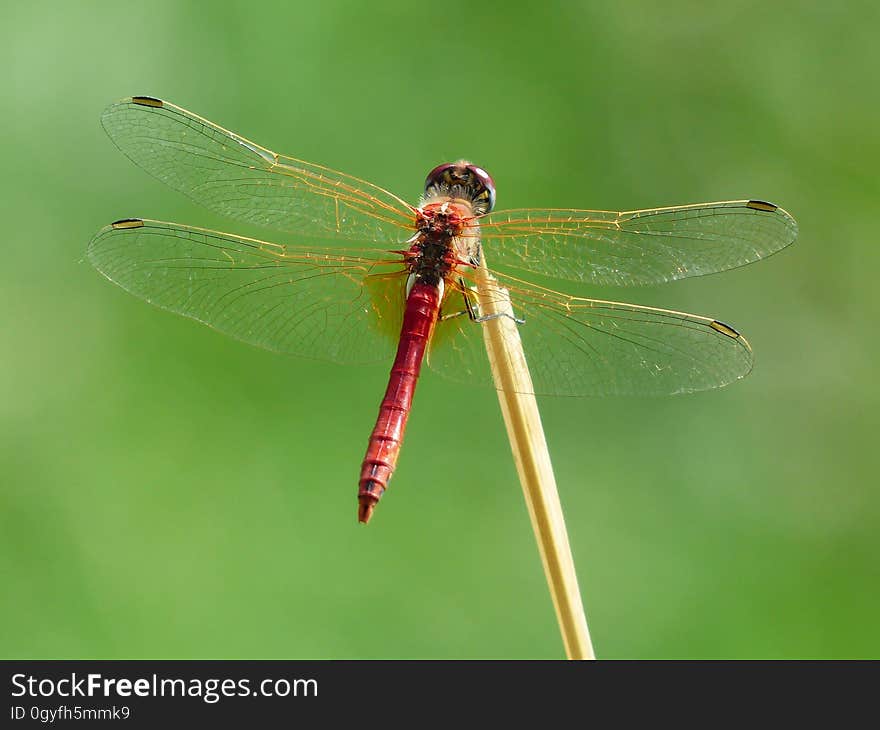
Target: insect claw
(496, 316)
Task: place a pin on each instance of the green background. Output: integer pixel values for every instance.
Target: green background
(168, 492)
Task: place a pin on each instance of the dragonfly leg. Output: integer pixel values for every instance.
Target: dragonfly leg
(500, 314)
(472, 307)
(469, 306)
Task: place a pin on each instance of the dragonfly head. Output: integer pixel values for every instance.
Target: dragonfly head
(462, 180)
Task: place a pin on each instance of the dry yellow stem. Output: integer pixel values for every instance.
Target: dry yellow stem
(520, 410)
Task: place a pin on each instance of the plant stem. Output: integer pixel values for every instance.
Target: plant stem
(520, 410)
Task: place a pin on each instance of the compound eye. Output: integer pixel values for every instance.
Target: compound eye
(440, 175)
(467, 179)
(485, 186)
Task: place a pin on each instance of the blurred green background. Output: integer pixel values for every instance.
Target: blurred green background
(168, 492)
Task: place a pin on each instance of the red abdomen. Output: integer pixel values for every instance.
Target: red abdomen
(422, 307)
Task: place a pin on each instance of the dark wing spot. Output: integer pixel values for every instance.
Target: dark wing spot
(127, 223)
(761, 205)
(724, 329)
(146, 101)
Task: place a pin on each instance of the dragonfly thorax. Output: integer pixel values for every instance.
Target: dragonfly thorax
(431, 258)
(442, 242)
(442, 218)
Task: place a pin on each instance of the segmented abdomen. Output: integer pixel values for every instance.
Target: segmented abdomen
(422, 307)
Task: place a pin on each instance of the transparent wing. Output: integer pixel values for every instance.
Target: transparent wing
(338, 305)
(590, 347)
(636, 247)
(241, 179)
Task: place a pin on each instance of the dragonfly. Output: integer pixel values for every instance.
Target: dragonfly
(371, 278)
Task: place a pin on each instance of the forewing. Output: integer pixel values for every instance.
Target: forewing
(243, 180)
(636, 247)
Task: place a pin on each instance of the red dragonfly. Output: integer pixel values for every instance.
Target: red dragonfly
(406, 285)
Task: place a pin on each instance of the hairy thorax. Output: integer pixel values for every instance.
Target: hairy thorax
(447, 238)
